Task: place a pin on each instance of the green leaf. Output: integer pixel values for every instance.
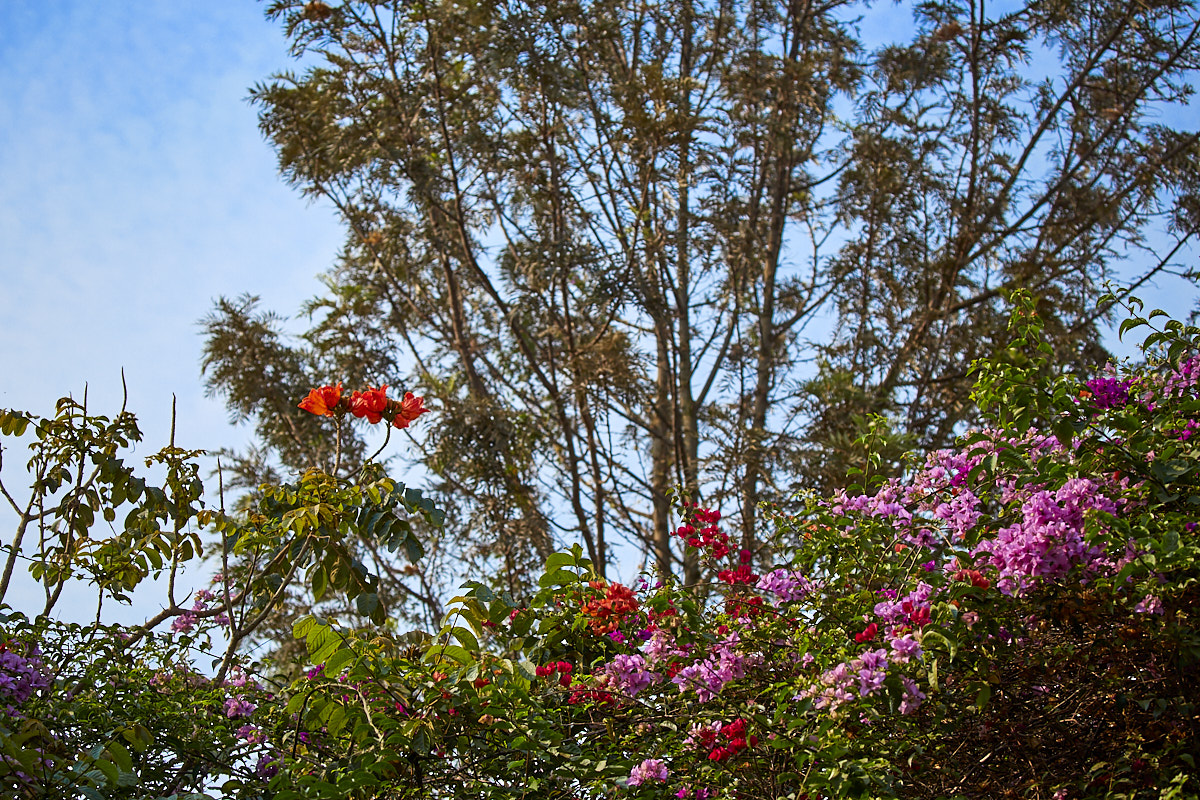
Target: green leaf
(1128, 325)
(440, 652)
(413, 549)
(139, 736)
(320, 582)
(120, 756)
(322, 643)
(367, 603)
(303, 626)
(931, 636)
(111, 773)
(526, 670)
(985, 694)
(559, 560)
(1171, 469)
(466, 637)
(1064, 431)
(561, 577)
(335, 663)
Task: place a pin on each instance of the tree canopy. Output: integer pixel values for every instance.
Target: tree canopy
(628, 248)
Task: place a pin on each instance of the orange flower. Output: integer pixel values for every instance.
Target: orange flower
(370, 404)
(409, 409)
(322, 401)
(608, 612)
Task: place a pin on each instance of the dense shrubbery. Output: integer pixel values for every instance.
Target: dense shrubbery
(1014, 617)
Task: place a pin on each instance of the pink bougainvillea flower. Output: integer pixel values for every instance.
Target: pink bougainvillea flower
(370, 404)
(322, 401)
(652, 770)
(409, 409)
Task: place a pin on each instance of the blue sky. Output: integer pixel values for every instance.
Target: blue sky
(134, 189)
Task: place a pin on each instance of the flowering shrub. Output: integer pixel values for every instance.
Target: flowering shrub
(1013, 615)
(157, 710)
(919, 637)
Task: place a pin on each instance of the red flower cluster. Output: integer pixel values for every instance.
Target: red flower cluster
(582, 695)
(739, 607)
(974, 576)
(742, 574)
(561, 668)
(372, 404)
(867, 634)
(669, 611)
(709, 536)
(323, 401)
(608, 611)
(408, 409)
(918, 613)
(736, 741)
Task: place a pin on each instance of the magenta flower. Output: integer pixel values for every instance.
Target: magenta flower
(905, 648)
(913, 696)
(183, 623)
(652, 769)
(238, 707)
(628, 674)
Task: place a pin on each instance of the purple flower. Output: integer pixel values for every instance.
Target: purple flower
(628, 674)
(1048, 539)
(660, 647)
(905, 648)
(723, 665)
(874, 659)
(833, 688)
(1183, 377)
(652, 769)
(1150, 604)
(238, 707)
(267, 766)
(1108, 392)
(252, 734)
(869, 681)
(913, 696)
(787, 585)
(22, 672)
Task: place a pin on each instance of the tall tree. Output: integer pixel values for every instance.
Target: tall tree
(603, 236)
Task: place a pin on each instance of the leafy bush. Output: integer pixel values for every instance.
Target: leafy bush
(1013, 617)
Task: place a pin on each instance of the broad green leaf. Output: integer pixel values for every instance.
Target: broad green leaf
(367, 603)
(335, 663)
(440, 652)
(466, 637)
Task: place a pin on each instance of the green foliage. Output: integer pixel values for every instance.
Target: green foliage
(107, 711)
(1071, 679)
(1017, 613)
